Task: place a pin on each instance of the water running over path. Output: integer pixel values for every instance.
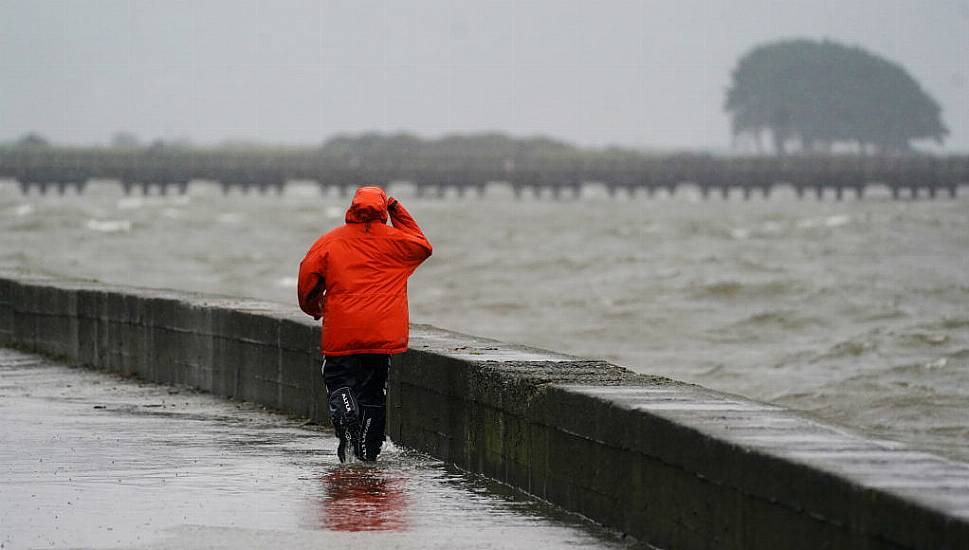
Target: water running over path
(91, 460)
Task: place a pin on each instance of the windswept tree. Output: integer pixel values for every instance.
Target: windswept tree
(820, 93)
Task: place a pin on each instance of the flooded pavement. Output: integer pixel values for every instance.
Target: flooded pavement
(89, 459)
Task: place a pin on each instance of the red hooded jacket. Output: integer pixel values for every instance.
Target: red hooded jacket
(355, 277)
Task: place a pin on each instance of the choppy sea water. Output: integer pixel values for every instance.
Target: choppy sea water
(855, 311)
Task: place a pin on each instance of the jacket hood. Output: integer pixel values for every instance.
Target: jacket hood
(369, 205)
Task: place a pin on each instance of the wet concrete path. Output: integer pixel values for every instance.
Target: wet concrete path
(88, 459)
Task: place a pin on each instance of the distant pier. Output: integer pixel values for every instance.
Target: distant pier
(47, 170)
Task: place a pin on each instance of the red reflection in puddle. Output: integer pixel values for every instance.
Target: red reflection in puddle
(363, 499)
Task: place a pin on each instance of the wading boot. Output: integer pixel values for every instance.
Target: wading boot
(345, 415)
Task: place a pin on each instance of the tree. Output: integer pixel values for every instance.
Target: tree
(408, 146)
(125, 140)
(824, 92)
(33, 139)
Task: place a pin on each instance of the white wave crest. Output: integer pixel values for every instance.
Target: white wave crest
(23, 210)
(772, 227)
(130, 203)
(837, 221)
(109, 226)
(831, 221)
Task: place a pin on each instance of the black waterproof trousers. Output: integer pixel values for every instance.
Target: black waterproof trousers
(357, 390)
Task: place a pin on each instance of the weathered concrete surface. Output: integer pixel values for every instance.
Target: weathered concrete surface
(90, 460)
(674, 464)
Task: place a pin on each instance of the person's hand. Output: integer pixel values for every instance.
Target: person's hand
(391, 204)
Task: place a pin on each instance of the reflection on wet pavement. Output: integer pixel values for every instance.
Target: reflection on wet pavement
(363, 498)
(92, 460)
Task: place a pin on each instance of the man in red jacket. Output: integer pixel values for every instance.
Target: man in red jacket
(355, 278)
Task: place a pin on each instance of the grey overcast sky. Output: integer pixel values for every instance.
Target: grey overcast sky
(639, 73)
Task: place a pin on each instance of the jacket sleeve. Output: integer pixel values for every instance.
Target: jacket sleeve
(414, 248)
(311, 284)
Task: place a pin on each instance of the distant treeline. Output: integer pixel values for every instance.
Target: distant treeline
(492, 146)
(379, 157)
(464, 162)
(406, 145)
(813, 97)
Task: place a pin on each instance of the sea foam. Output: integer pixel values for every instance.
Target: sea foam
(109, 226)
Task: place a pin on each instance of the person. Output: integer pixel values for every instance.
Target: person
(355, 278)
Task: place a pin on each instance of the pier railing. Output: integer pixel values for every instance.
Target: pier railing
(557, 176)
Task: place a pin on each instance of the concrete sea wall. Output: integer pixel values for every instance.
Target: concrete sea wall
(677, 465)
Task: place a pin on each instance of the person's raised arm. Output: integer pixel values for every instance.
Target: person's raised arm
(418, 247)
(402, 220)
(311, 284)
